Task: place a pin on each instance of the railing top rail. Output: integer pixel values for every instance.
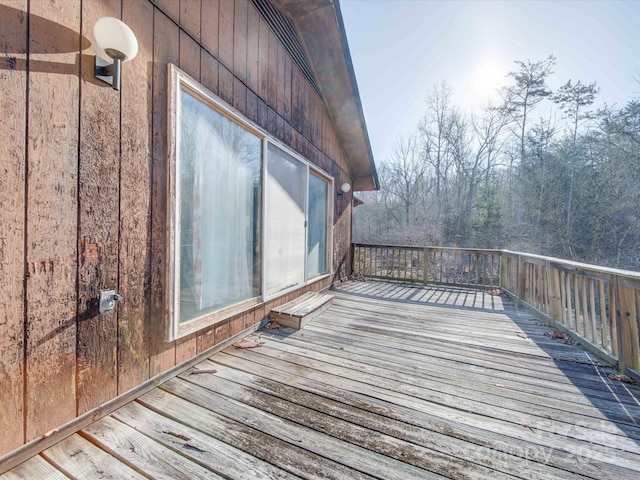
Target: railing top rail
(569, 264)
(555, 261)
(422, 247)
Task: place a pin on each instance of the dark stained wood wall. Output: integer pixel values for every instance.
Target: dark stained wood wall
(84, 204)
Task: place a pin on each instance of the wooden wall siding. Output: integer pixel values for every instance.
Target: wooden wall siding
(51, 222)
(13, 36)
(98, 229)
(166, 43)
(134, 267)
(88, 203)
(190, 17)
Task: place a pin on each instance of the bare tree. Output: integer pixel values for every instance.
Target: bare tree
(404, 174)
(434, 134)
(572, 100)
(529, 89)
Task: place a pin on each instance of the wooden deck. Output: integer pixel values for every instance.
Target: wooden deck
(390, 382)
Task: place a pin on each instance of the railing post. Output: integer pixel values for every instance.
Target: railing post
(521, 282)
(503, 270)
(425, 266)
(352, 251)
(628, 332)
(614, 314)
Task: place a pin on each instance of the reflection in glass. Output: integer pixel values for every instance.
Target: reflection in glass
(317, 235)
(285, 228)
(218, 210)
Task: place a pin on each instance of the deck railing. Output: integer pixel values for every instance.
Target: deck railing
(435, 265)
(597, 306)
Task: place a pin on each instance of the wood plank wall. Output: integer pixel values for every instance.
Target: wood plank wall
(84, 191)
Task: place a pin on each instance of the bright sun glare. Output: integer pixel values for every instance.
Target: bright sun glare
(487, 76)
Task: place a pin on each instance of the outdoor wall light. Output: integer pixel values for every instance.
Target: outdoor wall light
(345, 188)
(115, 43)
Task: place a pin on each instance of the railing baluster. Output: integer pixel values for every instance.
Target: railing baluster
(567, 278)
(577, 305)
(555, 293)
(425, 267)
(405, 264)
(484, 270)
(605, 324)
(563, 297)
(592, 311)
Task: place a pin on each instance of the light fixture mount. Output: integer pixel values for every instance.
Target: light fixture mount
(115, 43)
(344, 188)
(113, 53)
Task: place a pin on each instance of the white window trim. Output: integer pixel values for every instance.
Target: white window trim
(177, 80)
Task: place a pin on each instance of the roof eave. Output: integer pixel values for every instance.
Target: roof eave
(320, 25)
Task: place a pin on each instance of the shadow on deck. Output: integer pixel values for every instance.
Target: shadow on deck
(391, 382)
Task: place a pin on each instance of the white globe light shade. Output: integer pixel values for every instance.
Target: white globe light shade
(111, 33)
(345, 187)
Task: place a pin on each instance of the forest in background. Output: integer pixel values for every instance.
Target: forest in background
(542, 172)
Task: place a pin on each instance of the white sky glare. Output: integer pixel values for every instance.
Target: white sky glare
(401, 48)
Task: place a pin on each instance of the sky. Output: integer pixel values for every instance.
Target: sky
(401, 49)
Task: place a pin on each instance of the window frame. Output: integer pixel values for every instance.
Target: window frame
(178, 81)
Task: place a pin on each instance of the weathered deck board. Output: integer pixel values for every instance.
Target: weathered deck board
(79, 458)
(286, 455)
(390, 382)
(390, 420)
(376, 355)
(36, 467)
(500, 420)
(346, 453)
(537, 402)
(144, 453)
(191, 443)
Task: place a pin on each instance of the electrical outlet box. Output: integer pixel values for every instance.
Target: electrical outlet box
(108, 299)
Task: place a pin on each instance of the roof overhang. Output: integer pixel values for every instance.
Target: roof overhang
(319, 24)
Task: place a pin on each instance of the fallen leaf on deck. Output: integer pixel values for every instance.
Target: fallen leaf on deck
(526, 425)
(522, 335)
(248, 344)
(498, 292)
(209, 370)
(188, 446)
(620, 378)
(177, 435)
(273, 325)
(555, 334)
(498, 385)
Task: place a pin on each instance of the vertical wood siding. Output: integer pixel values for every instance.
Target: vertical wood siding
(86, 207)
(98, 225)
(134, 258)
(13, 36)
(52, 215)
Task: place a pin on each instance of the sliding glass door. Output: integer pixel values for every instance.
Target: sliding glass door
(296, 222)
(318, 227)
(286, 182)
